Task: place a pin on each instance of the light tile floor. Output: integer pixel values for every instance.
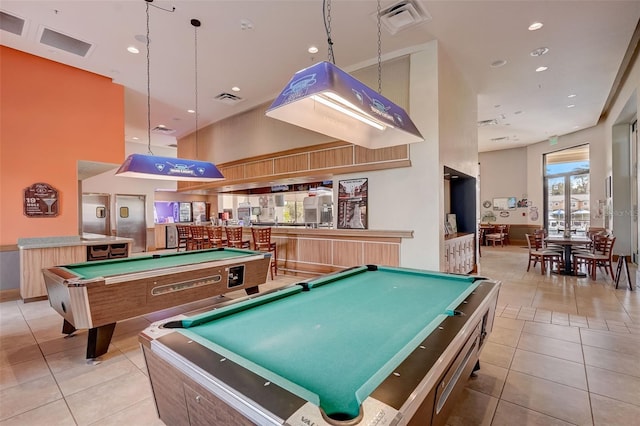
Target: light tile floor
(563, 351)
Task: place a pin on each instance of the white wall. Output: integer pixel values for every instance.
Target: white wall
(622, 113)
(504, 174)
(409, 198)
(519, 172)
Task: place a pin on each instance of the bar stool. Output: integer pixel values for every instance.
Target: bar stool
(197, 240)
(262, 242)
(184, 235)
(214, 234)
(234, 237)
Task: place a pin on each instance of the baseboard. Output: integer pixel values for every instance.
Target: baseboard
(9, 295)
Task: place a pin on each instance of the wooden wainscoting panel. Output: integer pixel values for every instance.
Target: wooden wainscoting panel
(347, 253)
(330, 158)
(233, 172)
(258, 168)
(314, 251)
(382, 254)
(287, 250)
(366, 155)
(291, 163)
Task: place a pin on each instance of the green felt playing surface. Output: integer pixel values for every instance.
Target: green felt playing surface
(107, 268)
(334, 344)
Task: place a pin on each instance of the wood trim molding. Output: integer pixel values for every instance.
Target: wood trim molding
(316, 162)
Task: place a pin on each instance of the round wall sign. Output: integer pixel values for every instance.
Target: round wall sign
(486, 204)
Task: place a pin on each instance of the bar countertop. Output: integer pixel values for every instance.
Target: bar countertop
(85, 239)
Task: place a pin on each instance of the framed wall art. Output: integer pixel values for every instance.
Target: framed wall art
(353, 197)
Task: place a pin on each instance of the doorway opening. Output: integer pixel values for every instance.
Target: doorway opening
(567, 190)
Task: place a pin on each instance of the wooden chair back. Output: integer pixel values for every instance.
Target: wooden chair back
(234, 237)
(214, 234)
(261, 237)
(197, 236)
(262, 242)
(183, 236)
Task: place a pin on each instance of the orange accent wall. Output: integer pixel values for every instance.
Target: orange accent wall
(51, 116)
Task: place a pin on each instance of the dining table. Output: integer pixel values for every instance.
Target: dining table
(567, 242)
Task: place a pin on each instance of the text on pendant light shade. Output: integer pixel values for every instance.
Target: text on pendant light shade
(327, 100)
(168, 168)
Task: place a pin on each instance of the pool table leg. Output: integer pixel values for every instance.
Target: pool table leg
(99, 339)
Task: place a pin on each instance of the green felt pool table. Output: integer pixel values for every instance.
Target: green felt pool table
(95, 295)
(369, 345)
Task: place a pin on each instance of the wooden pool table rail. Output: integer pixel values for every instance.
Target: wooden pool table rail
(97, 304)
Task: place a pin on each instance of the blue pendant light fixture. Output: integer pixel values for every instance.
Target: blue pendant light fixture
(149, 166)
(327, 100)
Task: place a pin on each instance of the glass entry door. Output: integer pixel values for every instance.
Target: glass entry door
(567, 191)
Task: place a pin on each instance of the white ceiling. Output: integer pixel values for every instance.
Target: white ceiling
(587, 41)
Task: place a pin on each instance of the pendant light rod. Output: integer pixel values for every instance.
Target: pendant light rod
(148, 2)
(196, 24)
(379, 52)
(326, 14)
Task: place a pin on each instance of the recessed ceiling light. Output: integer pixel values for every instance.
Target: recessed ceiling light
(135, 138)
(539, 51)
(535, 26)
(235, 89)
(133, 49)
(540, 69)
(576, 127)
(312, 49)
(571, 106)
(191, 111)
(499, 63)
(571, 96)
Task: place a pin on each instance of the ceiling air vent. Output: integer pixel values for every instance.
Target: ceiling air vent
(64, 42)
(11, 23)
(402, 15)
(500, 139)
(485, 123)
(228, 98)
(163, 130)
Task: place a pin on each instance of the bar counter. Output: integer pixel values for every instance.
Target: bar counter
(313, 251)
(44, 252)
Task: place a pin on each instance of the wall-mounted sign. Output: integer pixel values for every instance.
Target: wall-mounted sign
(41, 200)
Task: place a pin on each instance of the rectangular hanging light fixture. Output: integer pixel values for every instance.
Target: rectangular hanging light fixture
(149, 166)
(327, 100)
(168, 168)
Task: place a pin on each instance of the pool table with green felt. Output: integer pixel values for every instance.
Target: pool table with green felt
(369, 345)
(95, 295)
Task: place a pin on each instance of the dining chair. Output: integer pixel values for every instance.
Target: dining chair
(498, 235)
(198, 239)
(542, 234)
(600, 256)
(537, 253)
(214, 235)
(262, 242)
(183, 237)
(234, 237)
